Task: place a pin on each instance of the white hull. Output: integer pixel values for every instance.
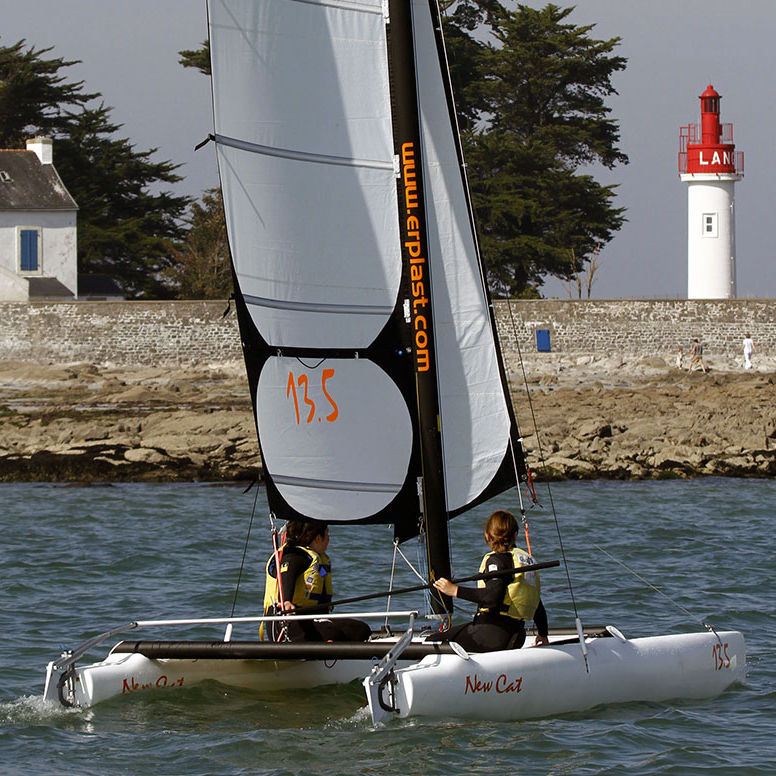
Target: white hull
(538, 682)
(127, 674)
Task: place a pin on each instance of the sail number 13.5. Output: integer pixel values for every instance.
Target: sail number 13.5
(302, 383)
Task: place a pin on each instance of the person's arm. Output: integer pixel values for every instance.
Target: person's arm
(542, 626)
(488, 597)
(291, 566)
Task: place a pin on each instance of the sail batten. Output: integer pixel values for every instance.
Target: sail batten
(302, 156)
(319, 307)
(367, 487)
(375, 8)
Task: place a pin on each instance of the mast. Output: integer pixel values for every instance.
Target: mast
(412, 215)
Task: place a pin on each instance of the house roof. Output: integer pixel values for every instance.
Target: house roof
(26, 184)
(43, 287)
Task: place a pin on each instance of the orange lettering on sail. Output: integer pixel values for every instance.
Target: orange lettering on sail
(414, 248)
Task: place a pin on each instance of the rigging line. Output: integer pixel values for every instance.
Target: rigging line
(408, 562)
(282, 632)
(390, 587)
(523, 518)
(656, 589)
(397, 550)
(541, 457)
(431, 591)
(245, 552)
(310, 366)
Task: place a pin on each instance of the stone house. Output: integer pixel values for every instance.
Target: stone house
(37, 227)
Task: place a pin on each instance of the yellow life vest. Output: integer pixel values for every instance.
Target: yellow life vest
(523, 592)
(312, 587)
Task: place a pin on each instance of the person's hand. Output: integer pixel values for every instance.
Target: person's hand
(446, 586)
(288, 606)
(541, 641)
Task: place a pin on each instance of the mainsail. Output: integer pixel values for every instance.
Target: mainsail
(365, 321)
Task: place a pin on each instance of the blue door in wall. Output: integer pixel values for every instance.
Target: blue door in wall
(29, 239)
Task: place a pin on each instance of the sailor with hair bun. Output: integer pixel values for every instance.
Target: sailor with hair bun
(504, 603)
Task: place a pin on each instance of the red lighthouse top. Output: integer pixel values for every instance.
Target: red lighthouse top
(709, 148)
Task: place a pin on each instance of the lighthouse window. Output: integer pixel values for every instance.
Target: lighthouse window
(710, 225)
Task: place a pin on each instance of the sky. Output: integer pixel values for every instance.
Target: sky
(674, 49)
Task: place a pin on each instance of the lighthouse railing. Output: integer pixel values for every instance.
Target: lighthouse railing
(738, 160)
(691, 135)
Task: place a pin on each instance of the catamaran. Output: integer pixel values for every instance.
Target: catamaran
(373, 364)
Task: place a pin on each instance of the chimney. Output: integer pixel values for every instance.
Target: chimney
(43, 148)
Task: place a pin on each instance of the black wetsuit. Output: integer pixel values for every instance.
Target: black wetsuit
(491, 630)
(295, 562)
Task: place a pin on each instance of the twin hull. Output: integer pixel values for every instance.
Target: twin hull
(518, 684)
(528, 683)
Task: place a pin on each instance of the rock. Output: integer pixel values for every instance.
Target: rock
(144, 455)
(568, 464)
(653, 362)
(611, 417)
(593, 428)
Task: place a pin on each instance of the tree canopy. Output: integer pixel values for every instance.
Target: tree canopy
(201, 267)
(532, 92)
(197, 58)
(125, 222)
(34, 97)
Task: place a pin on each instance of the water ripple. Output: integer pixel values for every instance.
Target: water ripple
(77, 561)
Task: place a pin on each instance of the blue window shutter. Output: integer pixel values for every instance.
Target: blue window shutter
(29, 250)
(543, 340)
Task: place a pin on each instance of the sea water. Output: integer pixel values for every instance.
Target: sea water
(77, 561)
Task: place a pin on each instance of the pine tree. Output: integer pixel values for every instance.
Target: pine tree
(34, 97)
(539, 87)
(124, 229)
(198, 58)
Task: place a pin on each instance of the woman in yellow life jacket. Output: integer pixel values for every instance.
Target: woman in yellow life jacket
(304, 581)
(503, 603)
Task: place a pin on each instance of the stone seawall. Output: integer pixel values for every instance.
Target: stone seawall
(172, 333)
(157, 390)
(120, 333)
(637, 327)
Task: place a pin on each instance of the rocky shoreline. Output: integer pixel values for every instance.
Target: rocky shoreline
(598, 418)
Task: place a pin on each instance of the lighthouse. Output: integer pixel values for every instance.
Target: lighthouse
(710, 166)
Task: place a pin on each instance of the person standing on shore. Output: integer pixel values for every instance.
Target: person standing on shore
(749, 350)
(696, 356)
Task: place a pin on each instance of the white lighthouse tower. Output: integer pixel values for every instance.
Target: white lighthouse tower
(710, 166)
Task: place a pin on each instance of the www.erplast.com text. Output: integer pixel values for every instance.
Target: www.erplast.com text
(414, 247)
